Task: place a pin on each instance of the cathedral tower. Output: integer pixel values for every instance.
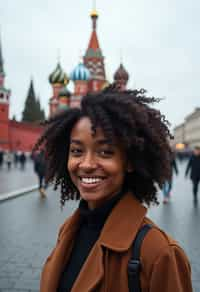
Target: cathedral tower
(4, 107)
(94, 59)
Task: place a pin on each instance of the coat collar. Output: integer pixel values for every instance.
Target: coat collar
(123, 223)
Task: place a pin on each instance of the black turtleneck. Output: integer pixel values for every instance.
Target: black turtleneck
(92, 222)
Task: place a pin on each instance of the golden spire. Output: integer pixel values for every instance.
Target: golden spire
(94, 12)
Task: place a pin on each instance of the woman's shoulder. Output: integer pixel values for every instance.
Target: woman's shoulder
(159, 245)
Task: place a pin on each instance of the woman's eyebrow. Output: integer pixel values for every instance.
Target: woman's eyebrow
(105, 142)
(74, 141)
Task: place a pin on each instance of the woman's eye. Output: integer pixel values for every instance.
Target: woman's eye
(75, 151)
(106, 153)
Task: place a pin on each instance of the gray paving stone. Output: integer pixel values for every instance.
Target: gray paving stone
(26, 284)
(6, 283)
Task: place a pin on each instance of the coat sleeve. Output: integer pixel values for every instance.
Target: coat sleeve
(171, 272)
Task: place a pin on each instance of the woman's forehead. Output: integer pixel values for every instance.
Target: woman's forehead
(83, 129)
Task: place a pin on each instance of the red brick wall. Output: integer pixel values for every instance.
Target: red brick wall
(23, 136)
(4, 139)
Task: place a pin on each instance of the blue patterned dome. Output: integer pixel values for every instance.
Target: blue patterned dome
(80, 73)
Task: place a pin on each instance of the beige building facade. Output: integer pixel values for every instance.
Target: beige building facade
(189, 131)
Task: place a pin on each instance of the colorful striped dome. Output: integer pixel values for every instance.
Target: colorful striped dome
(81, 72)
(58, 76)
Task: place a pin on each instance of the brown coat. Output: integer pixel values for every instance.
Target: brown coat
(164, 264)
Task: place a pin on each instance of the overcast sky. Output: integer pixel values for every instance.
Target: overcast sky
(159, 40)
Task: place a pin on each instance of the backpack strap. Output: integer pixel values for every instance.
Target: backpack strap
(134, 264)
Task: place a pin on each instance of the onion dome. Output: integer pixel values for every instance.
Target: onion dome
(58, 76)
(121, 74)
(80, 73)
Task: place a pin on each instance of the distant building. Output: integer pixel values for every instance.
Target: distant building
(189, 132)
(179, 134)
(88, 76)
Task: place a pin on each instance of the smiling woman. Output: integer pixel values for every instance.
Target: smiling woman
(113, 154)
(96, 167)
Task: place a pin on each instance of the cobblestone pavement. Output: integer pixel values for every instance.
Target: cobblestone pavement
(29, 225)
(15, 178)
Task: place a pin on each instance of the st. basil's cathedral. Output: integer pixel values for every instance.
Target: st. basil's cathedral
(88, 76)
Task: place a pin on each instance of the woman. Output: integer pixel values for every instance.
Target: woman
(113, 154)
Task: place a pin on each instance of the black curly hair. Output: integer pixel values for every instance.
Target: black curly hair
(123, 115)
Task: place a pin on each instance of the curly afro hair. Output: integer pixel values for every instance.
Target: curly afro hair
(123, 115)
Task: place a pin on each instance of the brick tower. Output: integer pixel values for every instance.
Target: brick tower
(4, 107)
(94, 59)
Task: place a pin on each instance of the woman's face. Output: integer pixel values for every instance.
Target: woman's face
(96, 168)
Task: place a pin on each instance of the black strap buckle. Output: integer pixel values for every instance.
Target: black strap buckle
(133, 267)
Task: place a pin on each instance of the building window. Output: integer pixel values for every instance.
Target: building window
(1, 95)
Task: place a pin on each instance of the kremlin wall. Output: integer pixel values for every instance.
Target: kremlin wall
(88, 76)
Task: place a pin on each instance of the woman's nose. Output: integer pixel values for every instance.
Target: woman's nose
(88, 162)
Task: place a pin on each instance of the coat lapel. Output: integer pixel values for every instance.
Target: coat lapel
(123, 224)
(92, 272)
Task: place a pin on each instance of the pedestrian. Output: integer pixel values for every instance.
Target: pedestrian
(8, 159)
(22, 160)
(16, 158)
(167, 186)
(193, 167)
(1, 158)
(40, 170)
(112, 153)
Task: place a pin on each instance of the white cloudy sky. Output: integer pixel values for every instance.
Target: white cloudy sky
(160, 43)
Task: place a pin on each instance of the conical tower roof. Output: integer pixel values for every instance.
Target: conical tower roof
(1, 60)
(94, 59)
(93, 49)
(31, 91)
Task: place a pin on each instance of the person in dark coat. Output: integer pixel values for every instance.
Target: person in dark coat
(167, 187)
(193, 167)
(1, 158)
(40, 170)
(22, 160)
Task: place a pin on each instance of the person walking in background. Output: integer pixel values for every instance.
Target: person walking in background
(8, 159)
(167, 187)
(1, 158)
(16, 158)
(193, 167)
(22, 160)
(40, 170)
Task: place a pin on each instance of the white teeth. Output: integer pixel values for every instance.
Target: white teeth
(90, 180)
